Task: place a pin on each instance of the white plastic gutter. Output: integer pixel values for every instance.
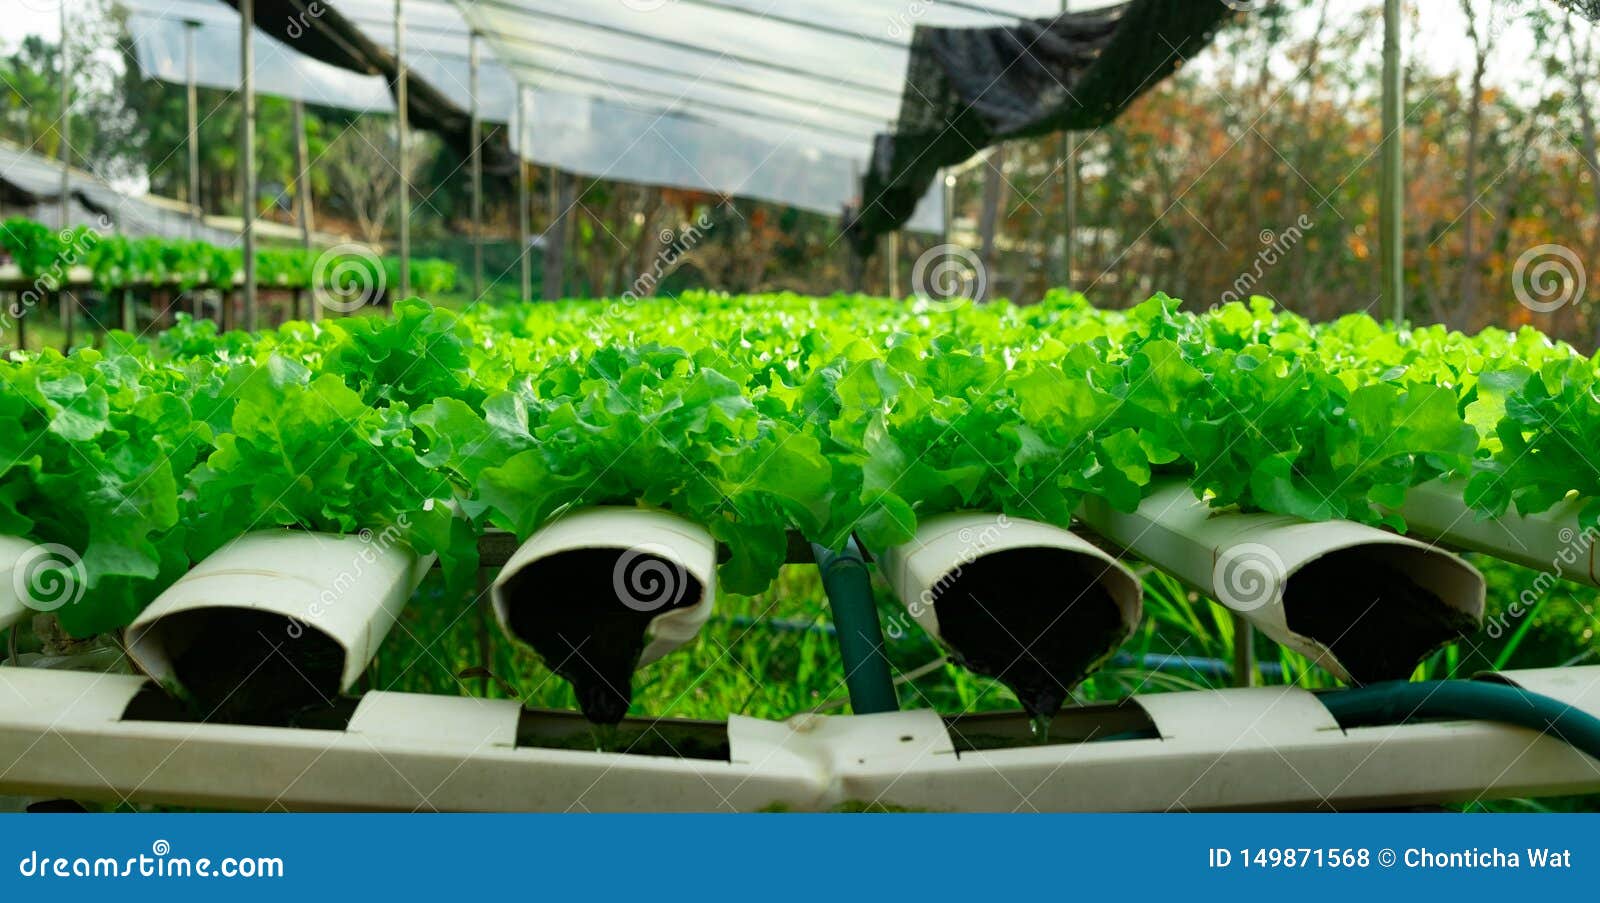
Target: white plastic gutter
(1249, 562)
(14, 552)
(350, 588)
(943, 546)
(1255, 748)
(657, 551)
(1552, 541)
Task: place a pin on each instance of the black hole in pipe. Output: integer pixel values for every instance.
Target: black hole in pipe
(1378, 622)
(706, 740)
(244, 666)
(152, 703)
(585, 612)
(1075, 724)
(1036, 619)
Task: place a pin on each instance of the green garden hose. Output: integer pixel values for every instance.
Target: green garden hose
(1398, 702)
(855, 617)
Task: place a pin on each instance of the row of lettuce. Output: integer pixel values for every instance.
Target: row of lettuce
(755, 416)
(116, 262)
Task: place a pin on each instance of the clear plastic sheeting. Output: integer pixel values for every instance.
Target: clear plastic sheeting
(603, 140)
(30, 185)
(160, 34)
(707, 95)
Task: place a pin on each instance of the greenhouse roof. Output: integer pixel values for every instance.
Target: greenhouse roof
(710, 95)
(28, 178)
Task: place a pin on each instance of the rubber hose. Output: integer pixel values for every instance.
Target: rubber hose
(1398, 702)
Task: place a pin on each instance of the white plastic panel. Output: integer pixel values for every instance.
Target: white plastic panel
(160, 43)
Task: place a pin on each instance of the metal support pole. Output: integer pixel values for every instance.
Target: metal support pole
(1244, 652)
(64, 299)
(1394, 185)
(894, 264)
(20, 314)
(247, 141)
(559, 196)
(192, 141)
(64, 127)
(989, 222)
(403, 126)
(304, 208)
(477, 170)
(1069, 198)
(855, 617)
(855, 267)
(523, 228)
(949, 179)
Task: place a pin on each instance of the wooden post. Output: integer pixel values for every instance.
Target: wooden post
(1394, 184)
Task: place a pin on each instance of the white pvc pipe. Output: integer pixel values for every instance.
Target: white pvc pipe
(921, 570)
(1256, 748)
(640, 536)
(1247, 561)
(1552, 541)
(347, 587)
(13, 553)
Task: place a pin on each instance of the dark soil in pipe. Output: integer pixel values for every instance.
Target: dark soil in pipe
(242, 666)
(1036, 620)
(1378, 622)
(568, 607)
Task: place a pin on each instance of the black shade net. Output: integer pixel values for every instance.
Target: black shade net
(316, 29)
(969, 88)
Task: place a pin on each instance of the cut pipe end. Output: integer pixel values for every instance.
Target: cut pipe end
(604, 591)
(274, 622)
(1031, 605)
(1377, 609)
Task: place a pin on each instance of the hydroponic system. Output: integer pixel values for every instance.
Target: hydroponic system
(323, 525)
